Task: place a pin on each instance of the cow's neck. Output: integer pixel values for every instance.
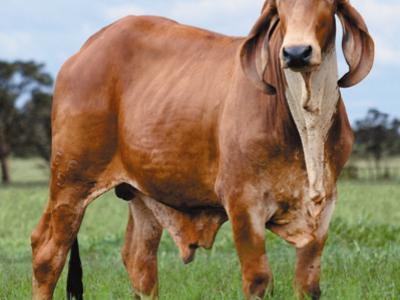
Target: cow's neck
(312, 100)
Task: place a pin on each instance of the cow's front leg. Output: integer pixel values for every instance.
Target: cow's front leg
(308, 269)
(308, 265)
(248, 223)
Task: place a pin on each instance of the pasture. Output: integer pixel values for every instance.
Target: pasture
(361, 260)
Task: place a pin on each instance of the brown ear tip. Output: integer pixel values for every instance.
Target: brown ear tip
(347, 82)
(343, 83)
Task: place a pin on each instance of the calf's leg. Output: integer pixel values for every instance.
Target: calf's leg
(139, 253)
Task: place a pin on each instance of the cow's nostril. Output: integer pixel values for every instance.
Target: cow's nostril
(307, 53)
(297, 57)
(286, 54)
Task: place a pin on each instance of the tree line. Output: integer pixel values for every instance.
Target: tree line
(377, 135)
(25, 119)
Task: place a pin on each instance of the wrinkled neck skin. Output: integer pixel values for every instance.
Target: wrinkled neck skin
(312, 101)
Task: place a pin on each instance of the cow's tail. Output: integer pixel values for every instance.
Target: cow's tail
(74, 279)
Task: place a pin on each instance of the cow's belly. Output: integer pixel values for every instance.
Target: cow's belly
(176, 165)
(181, 182)
(167, 138)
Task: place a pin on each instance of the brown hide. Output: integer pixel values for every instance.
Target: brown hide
(160, 121)
(166, 113)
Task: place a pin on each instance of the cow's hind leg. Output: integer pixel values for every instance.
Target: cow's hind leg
(54, 235)
(139, 252)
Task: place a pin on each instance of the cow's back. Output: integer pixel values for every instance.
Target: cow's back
(148, 91)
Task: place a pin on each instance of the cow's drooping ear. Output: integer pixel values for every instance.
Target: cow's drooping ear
(254, 54)
(358, 46)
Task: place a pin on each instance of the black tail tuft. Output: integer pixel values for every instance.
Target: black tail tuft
(74, 279)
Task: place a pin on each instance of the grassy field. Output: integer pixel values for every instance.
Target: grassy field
(361, 260)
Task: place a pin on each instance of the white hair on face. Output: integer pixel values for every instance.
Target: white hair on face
(313, 102)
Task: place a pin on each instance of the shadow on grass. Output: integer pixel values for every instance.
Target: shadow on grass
(95, 247)
(25, 184)
(20, 259)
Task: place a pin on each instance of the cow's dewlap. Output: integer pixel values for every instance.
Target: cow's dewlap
(313, 99)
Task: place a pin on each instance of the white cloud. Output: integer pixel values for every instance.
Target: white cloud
(230, 17)
(210, 9)
(115, 12)
(382, 18)
(379, 11)
(14, 44)
(386, 53)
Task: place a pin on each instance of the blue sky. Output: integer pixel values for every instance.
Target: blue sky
(50, 31)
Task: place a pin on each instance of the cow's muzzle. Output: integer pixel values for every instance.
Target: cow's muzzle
(297, 57)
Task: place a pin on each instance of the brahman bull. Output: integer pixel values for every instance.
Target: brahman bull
(196, 128)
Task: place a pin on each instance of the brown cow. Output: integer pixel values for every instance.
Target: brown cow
(196, 128)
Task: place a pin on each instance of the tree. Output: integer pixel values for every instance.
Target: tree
(372, 133)
(35, 124)
(17, 79)
(395, 137)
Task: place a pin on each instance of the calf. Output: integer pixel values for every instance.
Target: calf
(195, 128)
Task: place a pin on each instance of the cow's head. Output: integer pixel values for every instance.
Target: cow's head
(299, 36)
(308, 30)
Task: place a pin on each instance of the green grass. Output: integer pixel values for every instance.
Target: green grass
(361, 260)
